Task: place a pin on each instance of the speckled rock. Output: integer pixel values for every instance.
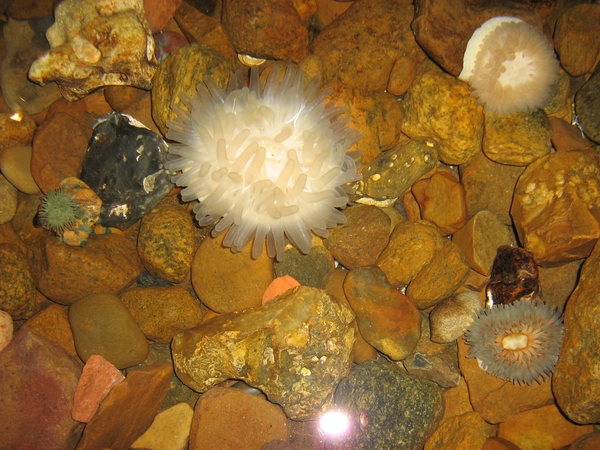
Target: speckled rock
(162, 312)
(276, 348)
(450, 318)
(517, 139)
(166, 242)
(587, 101)
(360, 240)
(17, 292)
(362, 46)
(444, 273)
(59, 147)
(226, 281)
(398, 410)
(103, 326)
(37, 388)
(412, 246)
(311, 269)
(489, 186)
(466, 431)
(8, 200)
(231, 418)
(110, 261)
(386, 318)
(577, 39)
(16, 133)
(426, 107)
(53, 324)
(169, 430)
(556, 206)
(129, 408)
(15, 164)
(575, 382)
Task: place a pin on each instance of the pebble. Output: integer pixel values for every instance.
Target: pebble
(311, 269)
(17, 292)
(162, 312)
(587, 100)
(170, 429)
(567, 137)
(16, 133)
(15, 164)
(468, 431)
(230, 418)
(278, 286)
(452, 316)
(6, 329)
(589, 441)
(53, 324)
(102, 325)
(8, 200)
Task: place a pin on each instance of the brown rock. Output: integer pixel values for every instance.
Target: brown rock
(8, 200)
(59, 146)
(577, 39)
(108, 263)
(120, 97)
(575, 382)
(517, 139)
(558, 283)
(311, 269)
(514, 276)
(266, 29)
(402, 76)
(544, 427)
(62, 105)
(37, 384)
(17, 292)
(15, 163)
(446, 271)
(52, 323)
(567, 137)
(441, 199)
(468, 430)
(160, 12)
(589, 441)
(456, 400)
(129, 408)
(425, 106)
(15, 133)
(386, 318)
(226, 281)
(230, 418)
(497, 400)
(497, 443)
(162, 312)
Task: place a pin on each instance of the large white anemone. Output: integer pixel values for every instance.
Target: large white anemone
(269, 163)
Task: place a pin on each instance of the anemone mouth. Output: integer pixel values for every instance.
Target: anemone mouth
(518, 342)
(268, 163)
(510, 66)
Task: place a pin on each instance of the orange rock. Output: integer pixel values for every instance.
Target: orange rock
(467, 431)
(589, 441)
(160, 12)
(496, 443)
(278, 286)
(567, 137)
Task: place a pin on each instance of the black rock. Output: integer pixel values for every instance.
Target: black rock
(124, 165)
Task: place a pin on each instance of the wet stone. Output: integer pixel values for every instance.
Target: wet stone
(53, 324)
(514, 276)
(311, 269)
(451, 317)
(124, 166)
(17, 292)
(587, 106)
(8, 200)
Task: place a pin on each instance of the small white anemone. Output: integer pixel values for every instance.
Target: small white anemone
(269, 163)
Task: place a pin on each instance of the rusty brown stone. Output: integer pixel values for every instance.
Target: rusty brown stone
(514, 276)
(566, 137)
(160, 12)
(467, 430)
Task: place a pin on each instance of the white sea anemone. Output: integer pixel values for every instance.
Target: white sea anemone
(518, 342)
(510, 66)
(269, 163)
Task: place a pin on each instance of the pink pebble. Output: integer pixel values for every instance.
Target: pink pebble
(278, 286)
(97, 379)
(6, 329)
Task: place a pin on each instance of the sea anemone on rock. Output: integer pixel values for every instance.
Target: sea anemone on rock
(58, 211)
(517, 342)
(269, 163)
(510, 66)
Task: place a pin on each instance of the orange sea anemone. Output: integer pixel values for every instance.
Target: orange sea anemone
(510, 66)
(518, 342)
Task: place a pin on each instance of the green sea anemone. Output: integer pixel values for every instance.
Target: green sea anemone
(58, 211)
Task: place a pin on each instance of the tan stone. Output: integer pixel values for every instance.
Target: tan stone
(120, 97)
(467, 431)
(497, 443)
(451, 317)
(16, 133)
(456, 400)
(15, 164)
(402, 76)
(170, 429)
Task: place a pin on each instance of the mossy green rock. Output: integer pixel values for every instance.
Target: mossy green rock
(395, 410)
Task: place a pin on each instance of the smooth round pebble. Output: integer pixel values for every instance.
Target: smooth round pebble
(451, 317)
(15, 163)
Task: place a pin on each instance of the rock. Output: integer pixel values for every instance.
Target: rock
(37, 384)
(265, 29)
(16, 133)
(361, 47)
(398, 410)
(456, 400)
(452, 316)
(544, 427)
(404, 72)
(444, 273)
(587, 100)
(25, 41)
(441, 200)
(480, 238)
(554, 207)
(75, 108)
(558, 283)
(360, 240)
(162, 312)
(166, 242)
(589, 441)
(514, 276)
(311, 269)
(92, 46)
(567, 137)
(15, 163)
(278, 286)
(276, 348)
(425, 107)
(17, 292)
(8, 200)
(496, 443)
(97, 379)
(169, 430)
(230, 418)
(160, 12)
(497, 400)
(128, 409)
(103, 326)
(229, 282)
(52, 323)
(124, 166)
(393, 172)
(517, 139)
(577, 39)
(386, 318)
(6, 329)
(121, 97)
(110, 260)
(575, 381)
(467, 430)
(58, 150)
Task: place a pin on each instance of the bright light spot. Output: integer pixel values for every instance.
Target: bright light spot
(334, 423)
(16, 117)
